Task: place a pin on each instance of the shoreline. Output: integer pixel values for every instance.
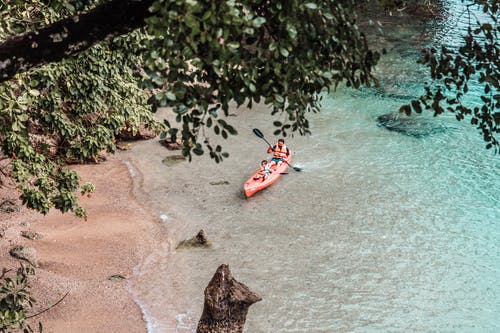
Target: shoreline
(94, 260)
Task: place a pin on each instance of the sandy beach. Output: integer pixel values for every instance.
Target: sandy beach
(86, 259)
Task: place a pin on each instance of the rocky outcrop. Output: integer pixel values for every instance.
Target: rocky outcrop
(226, 304)
(9, 206)
(200, 240)
(31, 235)
(28, 254)
(172, 145)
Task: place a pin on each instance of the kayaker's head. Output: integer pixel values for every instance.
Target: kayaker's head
(281, 142)
(263, 163)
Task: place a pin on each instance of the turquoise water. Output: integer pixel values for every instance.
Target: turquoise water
(381, 232)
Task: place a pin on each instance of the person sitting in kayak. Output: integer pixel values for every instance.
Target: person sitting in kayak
(280, 152)
(264, 171)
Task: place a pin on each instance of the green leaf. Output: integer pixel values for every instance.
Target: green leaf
(406, 109)
(34, 92)
(311, 5)
(258, 21)
(170, 96)
(292, 32)
(233, 45)
(416, 106)
(279, 98)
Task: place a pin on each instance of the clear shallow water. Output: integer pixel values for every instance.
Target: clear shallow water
(381, 232)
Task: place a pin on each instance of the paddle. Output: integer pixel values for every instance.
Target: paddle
(260, 135)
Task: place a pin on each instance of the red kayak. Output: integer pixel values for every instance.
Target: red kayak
(253, 186)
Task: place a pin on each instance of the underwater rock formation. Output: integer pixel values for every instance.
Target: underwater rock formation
(415, 126)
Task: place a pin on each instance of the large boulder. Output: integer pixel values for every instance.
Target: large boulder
(226, 304)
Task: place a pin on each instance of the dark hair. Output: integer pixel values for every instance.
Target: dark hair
(263, 161)
(282, 140)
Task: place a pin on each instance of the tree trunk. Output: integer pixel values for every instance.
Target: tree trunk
(70, 36)
(226, 304)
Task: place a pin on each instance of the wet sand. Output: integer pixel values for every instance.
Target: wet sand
(78, 257)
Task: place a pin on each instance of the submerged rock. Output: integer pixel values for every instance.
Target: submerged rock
(220, 182)
(173, 159)
(427, 11)
(226, 304)
(198, 241)
(414, 126)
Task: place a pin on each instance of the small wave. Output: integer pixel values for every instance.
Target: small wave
(131, 169)
(152, 325)
(185, 323)
(164, 217)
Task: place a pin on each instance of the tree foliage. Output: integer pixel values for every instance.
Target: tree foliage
(197, 57)
(475, 63)
(16, 300)
(68, 112)
(283, 54)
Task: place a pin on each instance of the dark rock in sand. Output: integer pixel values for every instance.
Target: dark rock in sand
(220, 182)
(414, 126)
(9, 206)
(173, 159)
(117, 277)
(31, 235)
(198, 241)
(226, 304)
(25, 253)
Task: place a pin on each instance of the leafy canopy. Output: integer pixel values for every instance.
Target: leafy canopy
(198, 57)
(67, 112)
(282, 53)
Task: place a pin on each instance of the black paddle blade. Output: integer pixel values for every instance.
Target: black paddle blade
(293, 167)
(258, 133)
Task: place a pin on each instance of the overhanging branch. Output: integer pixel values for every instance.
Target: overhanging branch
(70, 36)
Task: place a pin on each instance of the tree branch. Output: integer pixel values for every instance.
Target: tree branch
(50, 307)
(70, 36)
